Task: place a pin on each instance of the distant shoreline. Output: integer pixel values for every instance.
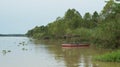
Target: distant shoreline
(12, 35)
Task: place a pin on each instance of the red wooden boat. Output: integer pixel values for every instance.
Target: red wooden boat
(75, 45)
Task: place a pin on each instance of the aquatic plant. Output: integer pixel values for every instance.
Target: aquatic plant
(24, 49)
(5, 51)
(9, 50)
(22, 43)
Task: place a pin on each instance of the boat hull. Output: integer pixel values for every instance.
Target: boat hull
(75, 45)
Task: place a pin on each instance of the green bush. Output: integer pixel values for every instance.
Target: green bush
(107, 35)
(84, 33)
(109, 57)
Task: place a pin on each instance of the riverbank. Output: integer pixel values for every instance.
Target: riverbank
(102, 29)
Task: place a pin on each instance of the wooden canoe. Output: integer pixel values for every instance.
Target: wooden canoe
(75, 45)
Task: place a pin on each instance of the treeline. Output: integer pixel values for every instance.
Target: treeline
(101, 29)
(21, 35)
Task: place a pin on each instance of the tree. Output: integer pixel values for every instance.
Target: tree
(87, 20)
(73, 19)
(95, 17)
(108, 10)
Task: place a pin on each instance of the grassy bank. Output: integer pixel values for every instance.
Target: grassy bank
(109, 57)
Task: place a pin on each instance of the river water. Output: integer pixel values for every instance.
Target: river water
(24, 52)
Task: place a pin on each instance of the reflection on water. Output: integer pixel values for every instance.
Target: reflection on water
(24, 52)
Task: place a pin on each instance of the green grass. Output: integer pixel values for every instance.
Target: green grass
(109, 57)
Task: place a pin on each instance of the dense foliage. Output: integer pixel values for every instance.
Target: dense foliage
(101, 29)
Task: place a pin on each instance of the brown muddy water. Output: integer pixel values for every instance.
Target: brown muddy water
(24, 52)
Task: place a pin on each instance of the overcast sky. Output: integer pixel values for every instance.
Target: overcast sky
(18, 16)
